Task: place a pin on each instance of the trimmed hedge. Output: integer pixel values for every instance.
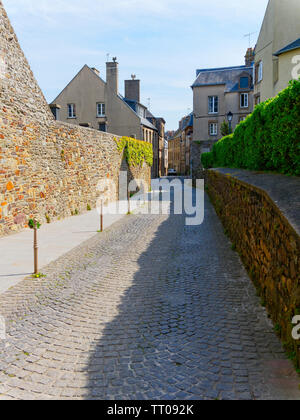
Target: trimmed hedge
(269, 138)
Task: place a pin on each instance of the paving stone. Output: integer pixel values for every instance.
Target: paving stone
(157, 313)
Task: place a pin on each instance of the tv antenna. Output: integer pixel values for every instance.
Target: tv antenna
(107, 57)
(149, 103)
(249, 37)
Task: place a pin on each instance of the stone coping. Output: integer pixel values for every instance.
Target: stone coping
(283, 190)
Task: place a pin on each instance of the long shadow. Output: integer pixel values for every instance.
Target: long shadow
(140, 353)
(181, 326)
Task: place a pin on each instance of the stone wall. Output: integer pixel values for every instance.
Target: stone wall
(197, 148)
(48, 170)
(266, 235)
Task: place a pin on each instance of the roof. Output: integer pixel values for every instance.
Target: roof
(143, 121)
(149, 114)
(290, 47)
(228, 76)
(85, 67)
(147, 123)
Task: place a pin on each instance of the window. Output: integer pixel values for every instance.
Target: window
(55, 112)
(257, 100)
(213, 129)
(102, 127)
(259, 72)
(244, 100)
(141, 112)
(244, 82)
(71, 111)
(242, 118)
(100, 110)
(213, 104)
(275, 70)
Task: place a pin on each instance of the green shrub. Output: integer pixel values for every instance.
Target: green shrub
(269, 138)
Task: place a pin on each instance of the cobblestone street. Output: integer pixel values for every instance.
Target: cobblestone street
(150, 309)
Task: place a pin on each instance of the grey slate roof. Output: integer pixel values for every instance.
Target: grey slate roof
(144, 121)
(293, 46)
(147, 123)
(228, 76)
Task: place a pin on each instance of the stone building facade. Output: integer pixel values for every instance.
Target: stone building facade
(89, 101)
(49, 169)
(277, 52)
(220, 91)
(159, 149)
(180, 146)
(216, 93)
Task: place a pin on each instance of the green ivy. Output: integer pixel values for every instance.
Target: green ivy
(136, 152)
(268, 140)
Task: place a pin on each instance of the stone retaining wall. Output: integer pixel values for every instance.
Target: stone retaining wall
(197, 148)
(268, 244)
(48, 169)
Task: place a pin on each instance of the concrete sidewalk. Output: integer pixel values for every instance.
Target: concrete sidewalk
(54, 240)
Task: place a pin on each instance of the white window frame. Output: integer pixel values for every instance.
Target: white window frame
(214, 103)
(101, 108)
(71, 111)
(260, 72)
(213, 129)
(246, 100)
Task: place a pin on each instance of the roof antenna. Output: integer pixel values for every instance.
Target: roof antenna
(249, 36)
(107, 57)
(149, 103)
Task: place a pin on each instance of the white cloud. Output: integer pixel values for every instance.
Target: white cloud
(131, 9)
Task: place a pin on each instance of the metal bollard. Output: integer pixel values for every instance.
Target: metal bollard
(101, 217)
(35, 248)
(128, 196)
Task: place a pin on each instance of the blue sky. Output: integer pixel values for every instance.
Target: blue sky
(163, 42)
